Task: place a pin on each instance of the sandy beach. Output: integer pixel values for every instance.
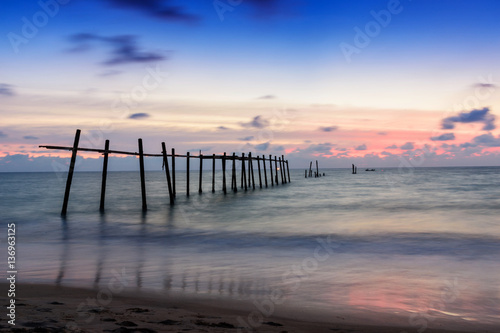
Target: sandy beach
(46, 308)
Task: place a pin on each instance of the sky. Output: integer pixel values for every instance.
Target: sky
(376, 83)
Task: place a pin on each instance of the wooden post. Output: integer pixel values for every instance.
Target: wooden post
(187, 173)
(173, 171)
(234, 184)
(201, 172)
(310, 169)
(264, 167)
(283, 179)
(143, 178)
(70, 173)
(250, 171)
(276, 169)
(224, 173)
(213, 173)
(104, 175)
(243, 171)
(258, 167)
(271, 168)
(288, 171)
(167, 173)
(317, 168)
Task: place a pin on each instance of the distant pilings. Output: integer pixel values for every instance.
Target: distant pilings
(316, 173)
(280, 166)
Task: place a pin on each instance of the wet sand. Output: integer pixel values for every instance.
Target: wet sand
(47, 308)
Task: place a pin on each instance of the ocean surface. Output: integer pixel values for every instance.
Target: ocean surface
(423, 243)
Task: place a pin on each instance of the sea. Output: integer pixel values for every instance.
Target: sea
(420, 243)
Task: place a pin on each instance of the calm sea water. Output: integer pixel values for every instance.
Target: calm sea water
(422, 243)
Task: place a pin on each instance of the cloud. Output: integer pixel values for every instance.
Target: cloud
(487, 140)
(443, 137)
(262, 146)
(123, 48)
(341, 149)
(140, 115)
(485, 85)
(6, 90)
(361, 147)
(407, 146)
(30, 137)
(157, 8)
(382, 133)
(3, 135)
(474, 116)
(320, 148)
(267, 97)
(223, 128)
(328, 128)
(109, 73)
(247, 138)
(391, 147)
(257, 122)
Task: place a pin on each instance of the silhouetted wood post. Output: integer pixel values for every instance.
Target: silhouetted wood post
(167, 173)
(264, 167)
(187, 173)
(306, 173)
(173, 171)
(271, 168)
(310, 169)
(70, 172)
(201, 173)
(234, 183)
(283, 180)
(250, 171)
(276, 169)
(143, 178)
(258, 167)
(243, 171)
(213, 173)
(288, 171)
(283, 167)
(317, 168)
(224, 173)
(104, 175)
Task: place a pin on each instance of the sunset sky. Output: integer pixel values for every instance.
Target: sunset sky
(376, 83)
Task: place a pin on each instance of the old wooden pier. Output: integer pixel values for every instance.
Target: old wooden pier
(278, 167)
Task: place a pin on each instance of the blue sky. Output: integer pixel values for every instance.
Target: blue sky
(222, 63)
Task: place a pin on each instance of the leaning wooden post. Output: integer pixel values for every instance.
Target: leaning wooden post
(187, 174)
(213, 173)
(234, 183)
(243, 171)
(310, 169)
(258, 167)
(104, 175)
(271, 168)
(250, 171)
(282, 165)
(276, 169)
(201, 172)
(173, 171)
(143, 178)
(224, 173)
(288, 171)
(264, 167)
(70, 173)
(167, 173)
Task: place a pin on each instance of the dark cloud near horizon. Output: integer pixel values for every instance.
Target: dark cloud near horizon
(262, 146)
(408, 146)
(320, 148)
(329, 128)
(444, 137)
(247, 138)
(485, 85)
(473, 116)
(140, 115)
(256, 122)
(487, 140)
(222, 128)
(6, 90)
(124, 48)
(30, 137)
(361, 147)
(391, 147)
(162, 9)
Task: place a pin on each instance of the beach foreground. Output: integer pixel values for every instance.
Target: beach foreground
(46, 308)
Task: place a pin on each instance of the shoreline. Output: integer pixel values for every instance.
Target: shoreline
(51, 308)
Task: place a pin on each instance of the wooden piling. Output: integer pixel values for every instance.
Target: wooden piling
(258, 167)
(271, 168)
(276, 169)
(234, 184)
(187, 173)
(264, 167)
(224, 173)
(288, 171)
(310, 169)
(243, 171)
(213, 173)
(167, 173)
(143, 178)
(283, 167)
(251, 169)
(283, 180)
(173, 171)
(317, 168)
(201, 173)
(70, 173)
(104, 175)
(306, 173)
